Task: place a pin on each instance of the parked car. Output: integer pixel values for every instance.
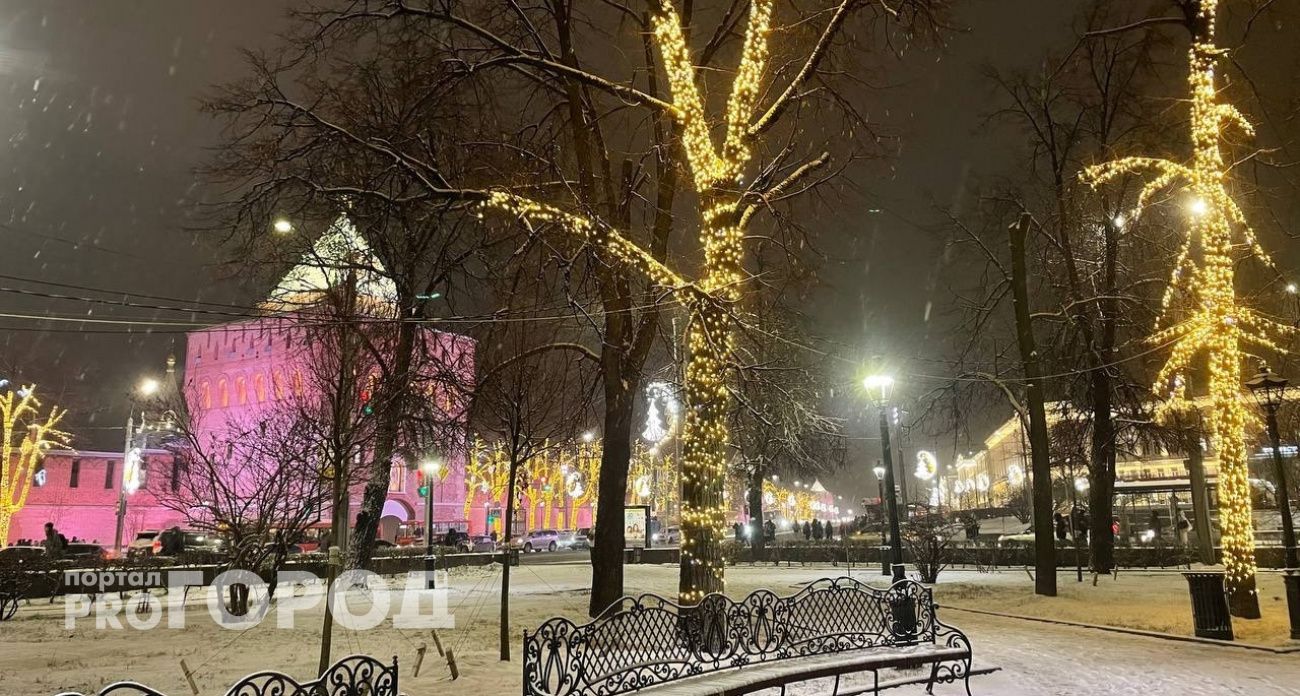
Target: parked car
(477, 544)
(573, 540)
(192, 541)
(21, 555)
(81, 552)
(142, 545)
(1025, 539)
(590, 534)
(669, 535)
(537, 540)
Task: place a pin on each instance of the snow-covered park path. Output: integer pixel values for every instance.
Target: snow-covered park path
(39, 656)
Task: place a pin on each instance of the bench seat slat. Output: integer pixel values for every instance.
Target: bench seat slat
(753, 677)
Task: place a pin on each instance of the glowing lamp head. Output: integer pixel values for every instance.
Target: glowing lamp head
(282, 226)
(1292, 288)
(588, 436)
(879, 387)
(1198, 207)
(879, 471)
(149, 387)
(1267, 388)
(431, 467)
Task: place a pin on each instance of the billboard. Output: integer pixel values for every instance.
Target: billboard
(636, 526)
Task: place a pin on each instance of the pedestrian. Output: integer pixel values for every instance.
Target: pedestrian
(807, 531)
(493, 536)
(769, 530)
(830, 531)
(817, 530)
(1081, 525)
(1062, 529)
(1157, 525)
(1184, 528)
(54, 542)
(736, 531)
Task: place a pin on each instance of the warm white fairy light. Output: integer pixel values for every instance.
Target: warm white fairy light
(20, 416)
(709, 337)
(1217, 324)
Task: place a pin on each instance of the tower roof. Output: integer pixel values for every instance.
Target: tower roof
(326, 267)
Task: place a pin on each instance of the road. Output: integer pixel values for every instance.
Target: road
(582, 557)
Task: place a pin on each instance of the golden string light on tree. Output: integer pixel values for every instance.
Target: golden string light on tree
(723, 212)
(27, 436)
(1202, 294)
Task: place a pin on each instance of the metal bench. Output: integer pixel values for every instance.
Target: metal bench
(356, 675)
(831, 628)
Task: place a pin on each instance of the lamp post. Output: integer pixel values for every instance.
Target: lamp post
(879, 387)
(431, 468)
(147, 388)
(879, 471)
(1269, 391)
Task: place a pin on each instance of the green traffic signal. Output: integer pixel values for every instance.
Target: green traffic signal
(423, 491)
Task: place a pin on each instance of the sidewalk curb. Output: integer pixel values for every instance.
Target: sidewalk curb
(1131, 631)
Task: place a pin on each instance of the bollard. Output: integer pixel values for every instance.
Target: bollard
(1209, 605)
(884, 560)
(1292, 579)
(900, 572)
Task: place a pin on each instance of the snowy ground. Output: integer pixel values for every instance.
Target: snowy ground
(1154, 600)
(39, 656)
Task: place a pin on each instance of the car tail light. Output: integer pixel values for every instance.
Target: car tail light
(156, 546)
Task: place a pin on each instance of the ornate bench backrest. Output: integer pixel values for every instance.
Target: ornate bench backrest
(357, 675)
(648, 640)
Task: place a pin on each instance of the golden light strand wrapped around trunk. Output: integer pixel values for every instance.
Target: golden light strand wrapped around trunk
(27, 436)
(709, 338)
(1217, 325)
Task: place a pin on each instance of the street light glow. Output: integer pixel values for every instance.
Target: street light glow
(431, 467)
(149, 386)
(282, 225)
(588, 436)
(1291, 288)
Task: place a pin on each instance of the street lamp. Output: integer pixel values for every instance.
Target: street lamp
(879, 471)
(133, 457)
(431, 469)
(879, 388)
(282, 226)
(1269, 390)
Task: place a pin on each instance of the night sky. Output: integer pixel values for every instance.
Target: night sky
(97, 186)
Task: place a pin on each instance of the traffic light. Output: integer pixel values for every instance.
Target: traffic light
(367, 407)
(422, 487)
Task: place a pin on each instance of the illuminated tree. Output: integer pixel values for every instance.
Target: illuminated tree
(1213, 322)
(725, 210)
(27, 436)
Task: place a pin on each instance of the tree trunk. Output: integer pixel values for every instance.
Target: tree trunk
(392, 407)
(1101, 491)
(504, 636)
(705, 456)
(1044, 540)
(607, 554)
(757, 528)
(1200, 493)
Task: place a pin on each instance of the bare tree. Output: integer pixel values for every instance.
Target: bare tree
(534, 393)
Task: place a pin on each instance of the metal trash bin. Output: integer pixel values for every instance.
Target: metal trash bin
(1209, 604)
(1292, 580)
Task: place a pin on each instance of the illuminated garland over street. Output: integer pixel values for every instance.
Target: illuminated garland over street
(723, 216)
(20, 414)
(1217, 325)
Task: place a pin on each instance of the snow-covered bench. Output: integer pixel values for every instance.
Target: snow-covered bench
(831, 628)
(356, 675)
